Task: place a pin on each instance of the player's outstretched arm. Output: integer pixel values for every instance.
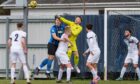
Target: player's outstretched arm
(23, 41)
(9, 43)
(56, 37)
(64, 20)
(87, 51)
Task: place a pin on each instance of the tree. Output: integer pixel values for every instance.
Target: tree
(4, 11)
(1, 1)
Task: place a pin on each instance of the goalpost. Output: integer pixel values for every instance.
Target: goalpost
(121, 15)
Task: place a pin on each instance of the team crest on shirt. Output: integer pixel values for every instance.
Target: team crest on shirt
(60, 32)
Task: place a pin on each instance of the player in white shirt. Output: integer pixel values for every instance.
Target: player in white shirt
(61, 54)
(94, 51)
(132, 55)
(18, 49)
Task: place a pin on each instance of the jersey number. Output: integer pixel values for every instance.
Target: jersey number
(16, 37)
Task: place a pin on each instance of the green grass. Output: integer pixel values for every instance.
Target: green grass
(73, 82)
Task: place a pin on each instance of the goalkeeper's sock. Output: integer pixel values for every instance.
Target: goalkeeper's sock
(76, 60)
(94, 73)
(43, 63)
(12, 73)
(138, 72)
(49, 64)
(60, 74)
(69, 52)
(123, 72)
(68, 74)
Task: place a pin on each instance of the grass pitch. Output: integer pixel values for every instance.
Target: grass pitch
(73, 82)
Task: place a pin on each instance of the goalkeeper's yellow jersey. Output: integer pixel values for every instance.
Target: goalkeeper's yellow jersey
(75, 29)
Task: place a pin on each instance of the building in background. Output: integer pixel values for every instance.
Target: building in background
(50, 8)
(41, 19)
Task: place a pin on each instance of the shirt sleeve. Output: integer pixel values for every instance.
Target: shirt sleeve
(89, 36)
(91, 41)
(136, 40)
(24, 34)
(68, 22)
(53, 30)
(10, 36)
(126, 41)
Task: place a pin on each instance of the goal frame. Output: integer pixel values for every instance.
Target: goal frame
(106, 11)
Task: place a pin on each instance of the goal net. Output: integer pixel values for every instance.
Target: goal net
(116, 20)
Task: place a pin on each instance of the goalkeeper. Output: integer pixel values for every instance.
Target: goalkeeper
(76, 28)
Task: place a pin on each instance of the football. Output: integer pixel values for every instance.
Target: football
(33, 4)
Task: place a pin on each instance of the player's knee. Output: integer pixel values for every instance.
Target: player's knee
(125, 65)
(95, 65)
(135, 66)
(68, 65)
(76, 58)
(24, 64)
(87, 64)
(13, 65)
(62, 67)
(76, 53)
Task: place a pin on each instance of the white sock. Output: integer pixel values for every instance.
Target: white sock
(94, 73)
(123, 72)
(47, 71)
(60, 74)
(39, 67)
(15, 75)
(138, 72)
(26, 72)
(12, 73)
(68, 74)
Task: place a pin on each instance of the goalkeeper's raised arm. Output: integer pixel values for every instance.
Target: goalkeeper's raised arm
(64, 20)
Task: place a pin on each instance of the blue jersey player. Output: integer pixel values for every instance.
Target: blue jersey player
(56, 32)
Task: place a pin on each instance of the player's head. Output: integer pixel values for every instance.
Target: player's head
(67, 30)
(78, 20)
(57, 21)
(127, 32)
(89, 27)
(20, 25)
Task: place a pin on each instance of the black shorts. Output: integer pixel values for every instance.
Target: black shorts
(52, 49)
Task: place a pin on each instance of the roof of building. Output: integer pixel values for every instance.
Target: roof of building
(9, 4)
(74, 1)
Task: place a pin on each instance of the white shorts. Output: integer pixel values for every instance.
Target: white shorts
(62, 57)
(94, 58)
(17, 54)
(132, 58)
